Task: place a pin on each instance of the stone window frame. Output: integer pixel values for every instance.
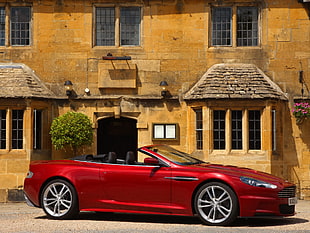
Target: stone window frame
(272, 117)
(28, 135)
(6, 27)
(117, 40)
(233, 21)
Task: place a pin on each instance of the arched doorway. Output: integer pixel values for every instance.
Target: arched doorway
(118, 135)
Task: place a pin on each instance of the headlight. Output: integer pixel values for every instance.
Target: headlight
(257, 183)
(29, 174)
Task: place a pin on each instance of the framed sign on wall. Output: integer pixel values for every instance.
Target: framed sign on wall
(162, 131)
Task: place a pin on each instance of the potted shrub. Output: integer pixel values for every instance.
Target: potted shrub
(71, 129)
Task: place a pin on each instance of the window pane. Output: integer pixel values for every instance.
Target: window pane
(221, 25)
(254, 130)
(2, 129)
(236, 130)
(130, 26)
(37, 129)
(199, 129)
(170, 131)
(105, 26)
(2, 26)
(219, 130)
(247, 26)
(17, 129)
(159, 131)
(20, 26)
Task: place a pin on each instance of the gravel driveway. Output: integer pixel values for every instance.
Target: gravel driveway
(20, 218)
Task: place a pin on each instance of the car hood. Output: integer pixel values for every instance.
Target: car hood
(238, 171)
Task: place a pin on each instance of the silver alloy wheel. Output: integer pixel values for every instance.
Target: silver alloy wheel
(57, 199)
(214, 204)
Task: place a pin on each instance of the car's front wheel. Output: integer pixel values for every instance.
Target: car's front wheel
(59, 200)
(216, 204)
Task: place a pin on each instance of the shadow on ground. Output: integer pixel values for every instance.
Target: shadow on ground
(242, 222)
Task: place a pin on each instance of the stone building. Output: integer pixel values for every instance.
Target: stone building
(230, 73)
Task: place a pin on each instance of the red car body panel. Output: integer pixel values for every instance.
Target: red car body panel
(132, 186)
(153, 189)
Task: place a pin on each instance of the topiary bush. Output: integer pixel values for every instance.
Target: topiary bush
(71, 129)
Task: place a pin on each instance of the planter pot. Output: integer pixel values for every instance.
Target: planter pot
(300, 120)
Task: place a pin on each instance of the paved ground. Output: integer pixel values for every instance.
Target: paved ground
(20, 218)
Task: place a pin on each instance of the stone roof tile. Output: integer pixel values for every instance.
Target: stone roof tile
(19, 81)
(234, 81)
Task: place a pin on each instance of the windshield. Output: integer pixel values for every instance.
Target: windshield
(174, 155)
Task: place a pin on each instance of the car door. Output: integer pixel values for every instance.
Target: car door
(142, 188)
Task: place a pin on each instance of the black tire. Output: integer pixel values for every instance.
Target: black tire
(59, 200)
(216, 204)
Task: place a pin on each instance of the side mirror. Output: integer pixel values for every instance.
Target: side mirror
(151, 161)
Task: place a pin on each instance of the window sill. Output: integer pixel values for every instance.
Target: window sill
(235, 47)
(12, 152)
(237, 152)
(16, 47)
(164, 139)
(139, 47)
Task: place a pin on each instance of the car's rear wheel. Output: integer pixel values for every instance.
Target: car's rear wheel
(216, 204)
(59, 200)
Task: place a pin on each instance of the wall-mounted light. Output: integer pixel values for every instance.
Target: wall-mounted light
(87, 91)
(68, 87)
(164, 91)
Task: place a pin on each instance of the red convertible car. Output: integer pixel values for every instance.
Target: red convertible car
(166, 181)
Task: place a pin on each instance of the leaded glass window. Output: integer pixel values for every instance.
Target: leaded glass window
(117, 26)
(105, 26)
(130, 25)
(236, 129)
(254, 130)
(20, 25)
(247, 26)
(219, 129)
(221, 26)
(2, 26)
(199, 129)
(17, 129)
(235, 26)
(2, 129)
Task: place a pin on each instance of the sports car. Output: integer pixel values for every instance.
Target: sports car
(156, 179)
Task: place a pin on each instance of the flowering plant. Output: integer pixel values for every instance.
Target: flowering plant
(301, 111)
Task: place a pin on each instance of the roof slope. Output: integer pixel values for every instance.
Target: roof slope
(234, 81)
(19, 81)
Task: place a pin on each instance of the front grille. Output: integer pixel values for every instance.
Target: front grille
(287, 192)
